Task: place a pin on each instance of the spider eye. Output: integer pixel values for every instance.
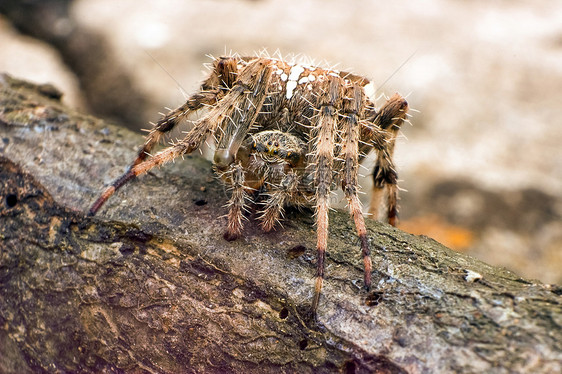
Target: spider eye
(269, 142)
(275, 152)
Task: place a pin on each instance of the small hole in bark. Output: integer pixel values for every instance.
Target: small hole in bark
(126, 249)
(303, 344)
(200, 202)
(296, 251)
(350, 367)
(11, 200)
(374, 298)
(284, 313)
(229, 237)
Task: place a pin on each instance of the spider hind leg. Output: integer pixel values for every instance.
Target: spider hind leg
(353, 108)
(324, 135)
(389, 119)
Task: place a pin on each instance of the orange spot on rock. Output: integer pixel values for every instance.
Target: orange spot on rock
(454, 237)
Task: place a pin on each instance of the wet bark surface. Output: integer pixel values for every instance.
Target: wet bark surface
(150, 285)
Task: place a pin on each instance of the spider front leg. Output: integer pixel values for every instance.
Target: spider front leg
(249, 81)
(163, 126)
(389, 119)
(353, 107)
(170, 120)
(212, 90)
(324, 133)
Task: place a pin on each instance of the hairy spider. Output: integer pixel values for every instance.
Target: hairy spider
(286, 134)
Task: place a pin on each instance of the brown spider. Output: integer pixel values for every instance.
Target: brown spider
(288, 134)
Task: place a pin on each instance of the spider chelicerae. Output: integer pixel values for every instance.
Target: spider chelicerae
(286, 134)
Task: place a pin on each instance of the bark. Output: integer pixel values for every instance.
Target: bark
(150, 285)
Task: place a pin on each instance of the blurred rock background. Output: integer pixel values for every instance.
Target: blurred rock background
(482, 163)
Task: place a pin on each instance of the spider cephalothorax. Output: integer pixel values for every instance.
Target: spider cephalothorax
(286, 134)
(272, 154)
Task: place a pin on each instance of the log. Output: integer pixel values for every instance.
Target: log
(150, 285)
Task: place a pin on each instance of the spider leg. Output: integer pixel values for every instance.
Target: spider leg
(324, 132)
(389, 119)
(212, 90)
(276, 201)
(244, 115)
(170, 120)
(236, 202)
(238, 123)
(353, 106)
(249, 80)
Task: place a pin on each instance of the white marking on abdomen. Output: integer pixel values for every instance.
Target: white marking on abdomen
(369, 89)
(291, 85)
(295, 72)
(294, 75)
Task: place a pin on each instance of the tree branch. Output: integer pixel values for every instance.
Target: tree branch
(150, 285)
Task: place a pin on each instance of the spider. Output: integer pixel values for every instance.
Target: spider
(286, 134)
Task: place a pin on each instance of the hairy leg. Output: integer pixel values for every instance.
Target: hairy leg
(170, 120)
(236, 203)
(324, 133)
(277, 199)
(220, 81)
(352, 109)
(389, 119)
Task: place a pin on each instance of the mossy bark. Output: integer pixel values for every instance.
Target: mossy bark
(150, 285)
